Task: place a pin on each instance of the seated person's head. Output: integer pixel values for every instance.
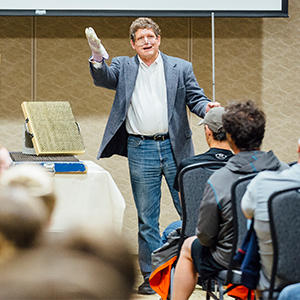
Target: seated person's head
(244, 124)
(213, 122)
(81, 264)
(22, 220)
(35, 179)
(109, 257)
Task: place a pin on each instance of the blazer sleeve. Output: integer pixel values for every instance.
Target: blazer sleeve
(196, 99)
(107, 76)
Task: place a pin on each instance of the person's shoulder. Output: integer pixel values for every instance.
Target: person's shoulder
(199, 158)
(220, 154)
(191, 161)
(186, 162)
(292, 172)
(267, 175)
(262, 179)
(284, 165)
(295, 166)
(221, 175)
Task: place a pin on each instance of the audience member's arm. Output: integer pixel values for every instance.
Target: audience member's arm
(208, 222)
(249, 202)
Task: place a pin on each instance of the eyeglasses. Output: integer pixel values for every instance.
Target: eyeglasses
(146, 40)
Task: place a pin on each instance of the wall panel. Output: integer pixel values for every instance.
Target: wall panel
(46, 58)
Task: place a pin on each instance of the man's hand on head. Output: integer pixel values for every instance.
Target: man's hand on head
(210, 105)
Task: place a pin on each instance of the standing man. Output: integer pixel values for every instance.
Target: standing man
(148, 123)
(215, 135)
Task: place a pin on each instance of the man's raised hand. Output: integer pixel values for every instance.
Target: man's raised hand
(98, 51)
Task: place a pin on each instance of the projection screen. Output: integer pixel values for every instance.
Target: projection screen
(159, 8)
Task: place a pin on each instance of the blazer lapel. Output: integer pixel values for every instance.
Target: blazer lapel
(130, 73)
(171, 83)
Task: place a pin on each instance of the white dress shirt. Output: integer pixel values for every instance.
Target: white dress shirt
(148, 110)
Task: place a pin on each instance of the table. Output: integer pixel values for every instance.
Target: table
(91, 198)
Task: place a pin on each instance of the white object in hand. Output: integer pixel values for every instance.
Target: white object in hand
(98, 51)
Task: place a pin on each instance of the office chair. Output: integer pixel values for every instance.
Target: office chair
(284, 210)
(191, 182)
(233, 274)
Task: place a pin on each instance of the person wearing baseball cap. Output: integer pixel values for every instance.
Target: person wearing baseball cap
(219, 149)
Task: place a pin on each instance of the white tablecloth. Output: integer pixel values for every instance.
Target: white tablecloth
(92, 198)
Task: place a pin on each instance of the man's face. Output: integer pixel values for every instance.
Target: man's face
(146, 44)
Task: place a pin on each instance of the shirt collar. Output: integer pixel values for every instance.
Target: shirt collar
(156, 62)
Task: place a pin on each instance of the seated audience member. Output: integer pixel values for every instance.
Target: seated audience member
(290, 292)
(23, 219)
(81, 264)
(255, 205)
(5, 159)
(208, 254)
(219, 149)
(35, 179)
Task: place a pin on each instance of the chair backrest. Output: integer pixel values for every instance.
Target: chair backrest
(240, 222)
(284, 210)
(192, 181)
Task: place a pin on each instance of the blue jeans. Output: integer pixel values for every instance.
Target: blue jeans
(171, 227)
(148, 161)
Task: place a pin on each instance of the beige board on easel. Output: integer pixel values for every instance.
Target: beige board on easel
(52, 128)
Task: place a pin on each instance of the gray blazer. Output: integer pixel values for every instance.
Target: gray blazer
(182, 90)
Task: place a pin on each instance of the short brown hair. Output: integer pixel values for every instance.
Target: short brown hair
(142, 23)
